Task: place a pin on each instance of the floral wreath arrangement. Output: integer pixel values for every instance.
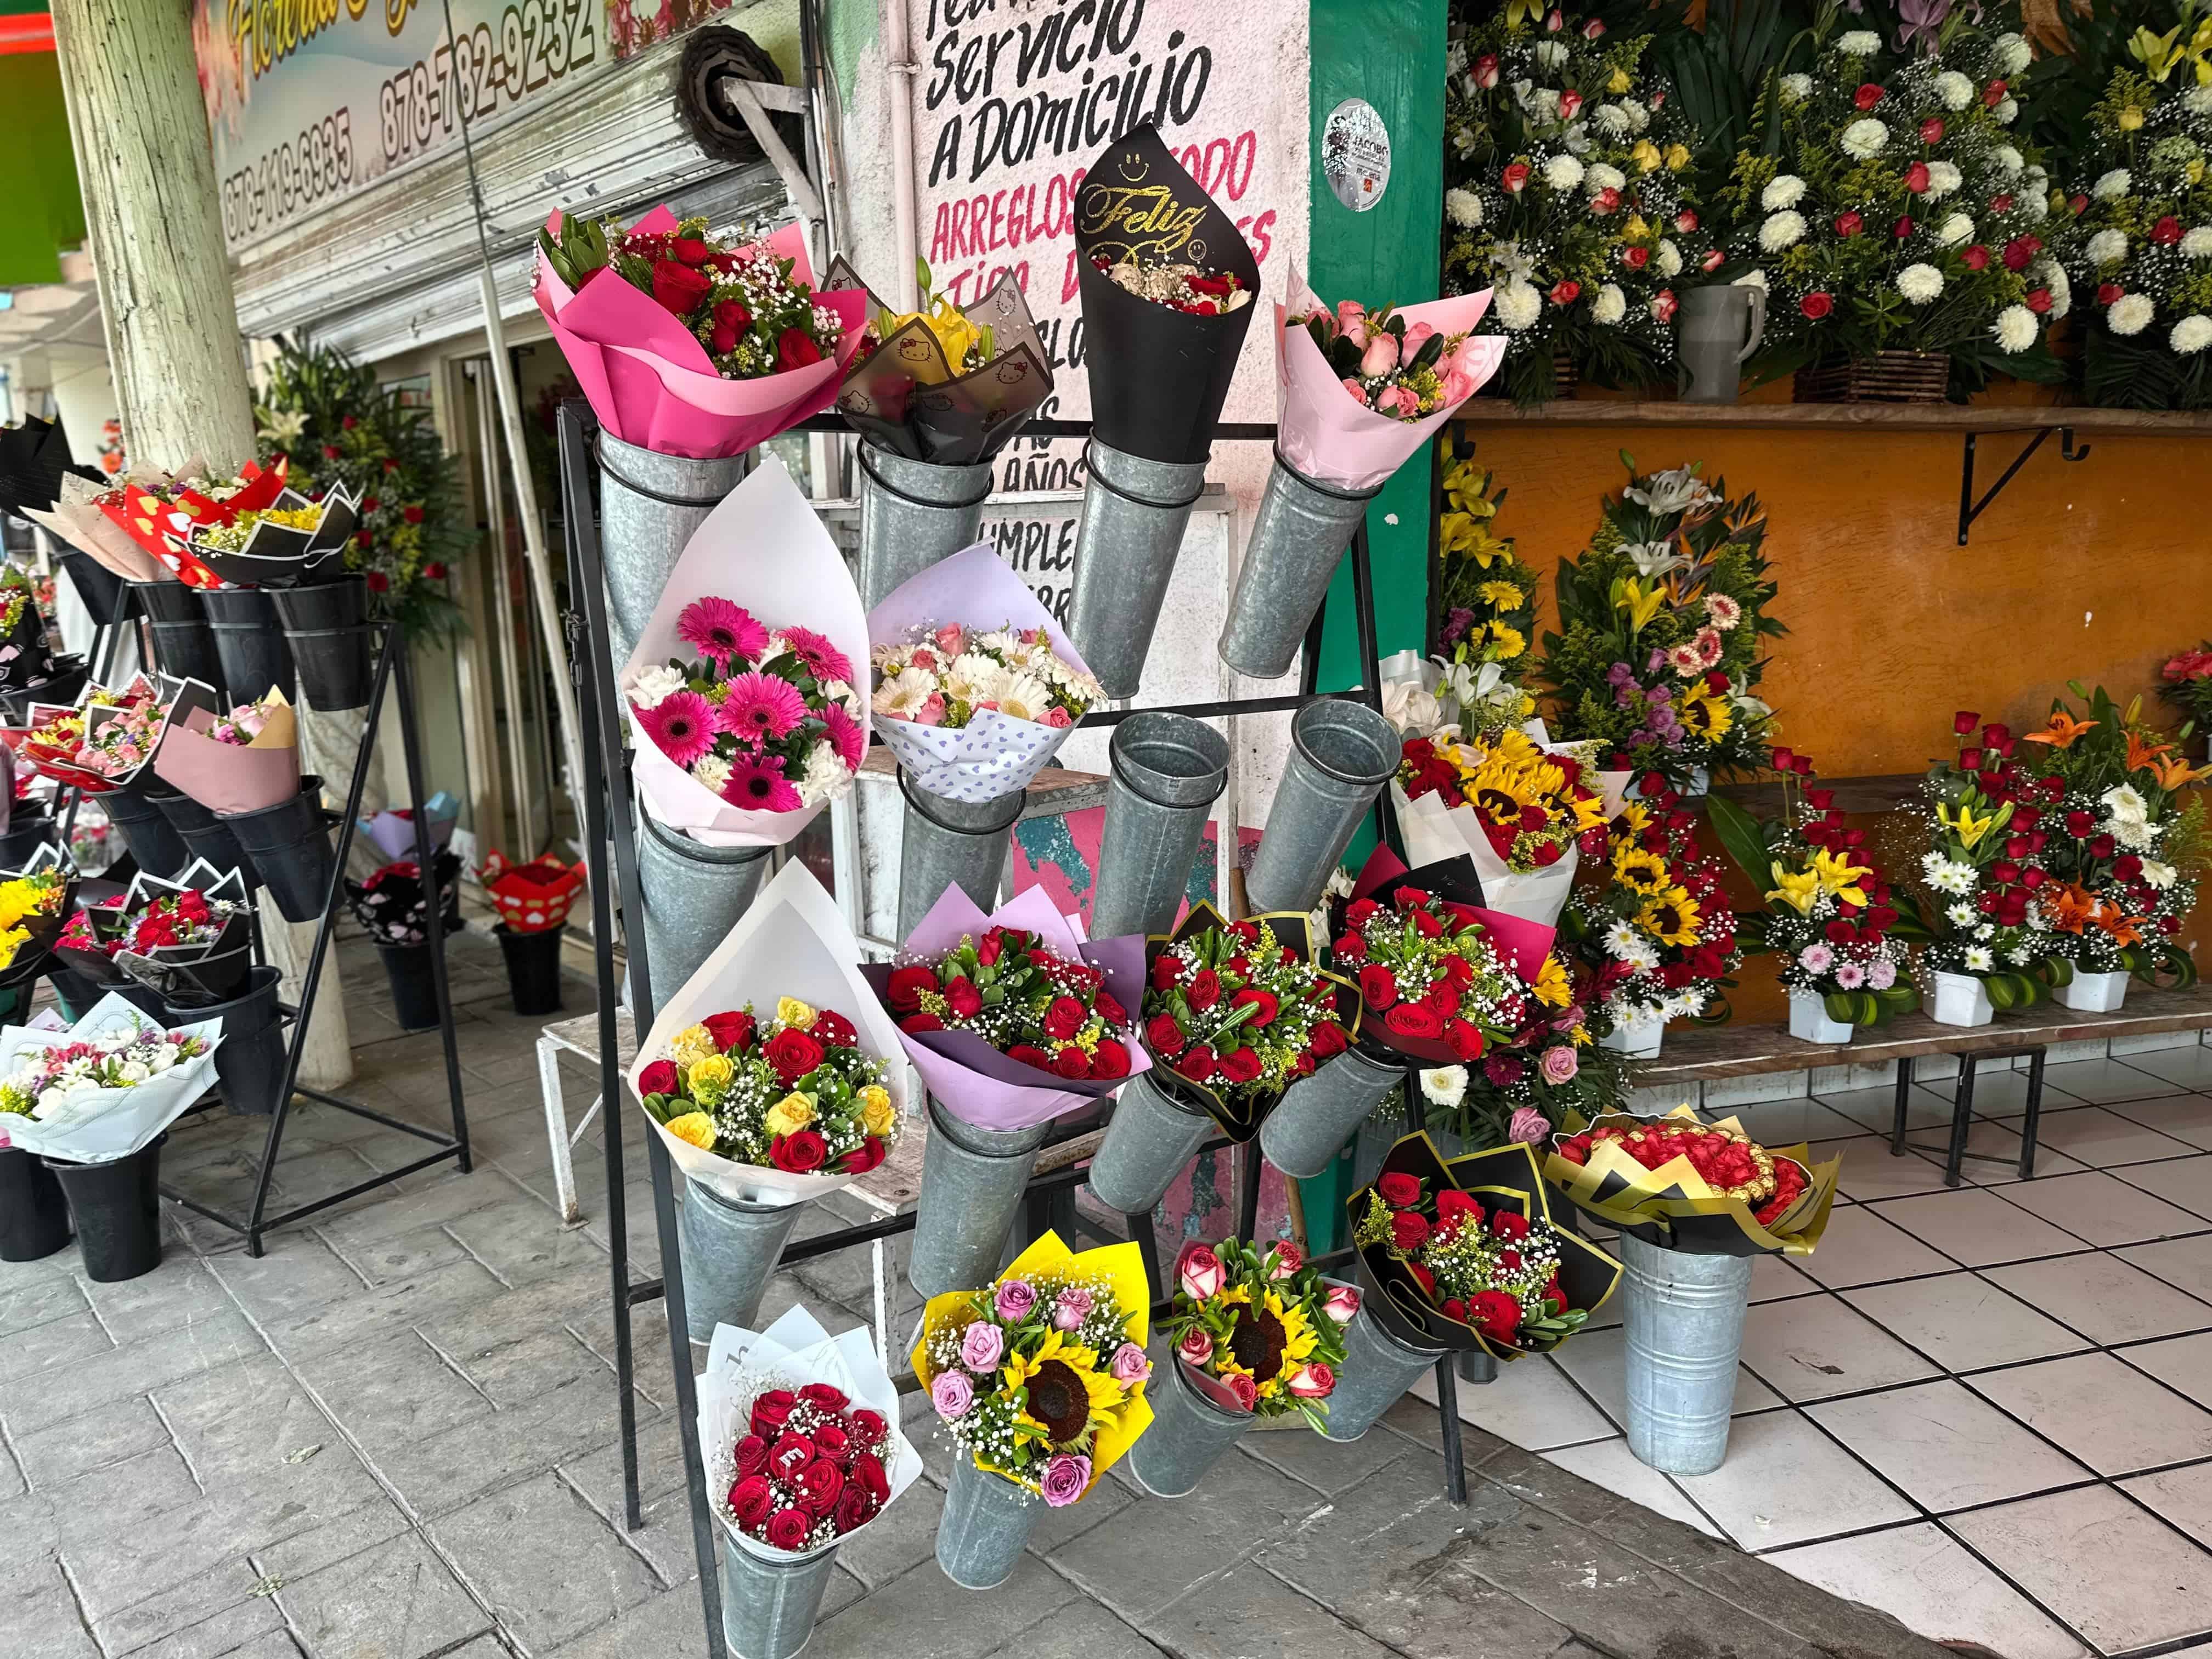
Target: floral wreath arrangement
(1664, 622)
(1261, 1324)
(1032, 1005)
(1886, 206)
(767, 719)
(1485, 591)
(1834, 922)
(796, 1092)
(1572, 197)
(948, 676)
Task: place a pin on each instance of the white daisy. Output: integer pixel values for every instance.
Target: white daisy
(901, 696)
(1025, 697)
(1979, 959)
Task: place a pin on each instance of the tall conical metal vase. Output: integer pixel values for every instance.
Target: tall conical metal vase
(951, 843)
(729, 1251)
(1378, 1368)
(1341, 755)
(1167, 771)
(694, 895)
(1298, 535)
(1152, 1136)
(972, 1182)
(986, 1524)
(1317, 1114)
(1188, 1432)
(1135, 512)
(770, 1599)
(912, 514)
(649, 505)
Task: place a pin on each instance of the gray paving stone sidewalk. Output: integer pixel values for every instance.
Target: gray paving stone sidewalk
(395, 1437)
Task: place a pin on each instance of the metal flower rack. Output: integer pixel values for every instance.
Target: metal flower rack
(612, 830)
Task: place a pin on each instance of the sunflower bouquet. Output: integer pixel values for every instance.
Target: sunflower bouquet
(1264, 1328)
(33, 906)
(1520, 809)
(1664, 627)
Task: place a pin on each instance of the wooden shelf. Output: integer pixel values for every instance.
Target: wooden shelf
(1955, 418)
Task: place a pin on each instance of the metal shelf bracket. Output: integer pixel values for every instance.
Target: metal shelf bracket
(1970, 509)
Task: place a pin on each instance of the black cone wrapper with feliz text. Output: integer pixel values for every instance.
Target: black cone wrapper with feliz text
(905, 396)
(1158, 377)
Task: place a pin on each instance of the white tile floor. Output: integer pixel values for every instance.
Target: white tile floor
(1987, 1409)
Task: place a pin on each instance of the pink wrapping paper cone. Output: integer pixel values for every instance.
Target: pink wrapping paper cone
(222, 776)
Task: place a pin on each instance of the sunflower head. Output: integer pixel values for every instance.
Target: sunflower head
(1065, 1394)
(1671, 917)
(1705, 715)
(1640, 870)
(1553, 987)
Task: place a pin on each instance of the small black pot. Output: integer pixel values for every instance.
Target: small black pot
(26, 832)
(533, 968)
(184, 644)
(207, 836)
(80, 992)
(249, 643)
(64, 684)
(414, 993)
(333, 642)
(118, 1211)
(290, 847)
(34, 1215)
(251, 1061)
(138, 817)
(100, 588)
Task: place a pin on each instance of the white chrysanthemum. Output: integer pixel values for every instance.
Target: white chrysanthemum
(825, 777)
(2196, 242)
(1602, 177)
(2010, 159)
(2197, 100)
(2035, 207)
(1781, 230)
(1550, 54)
(1859, 43)
(1943, 179)
(1613, 120)
(1979, 959)
(2011, 52)
(2190, 335)
(1563, 173)
(1463, 208)
(2016, 329)
(648, 686)
(1954, 89)
(1610, 306)
(2130, 314)
(1797, 87)
(1025, 697)
(1752, 279)
(1668, 257)
(2110, 186)
(1639, 115)
(2161, 876)
(1865, 138)
(713, 771)
(2007, 110)
(1518, 304)
(2108, 247)
(2052, 276)
(2035, 177)
(1920, 283)
(1954, 230)
(974, 678)
(901, 697)
(1784, 190)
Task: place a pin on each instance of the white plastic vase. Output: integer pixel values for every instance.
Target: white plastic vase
(1639, 1039)
(2095, 994)
(1809, 1021)
(1962, 999)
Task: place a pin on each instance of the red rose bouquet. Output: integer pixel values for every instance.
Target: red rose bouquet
(190, 940)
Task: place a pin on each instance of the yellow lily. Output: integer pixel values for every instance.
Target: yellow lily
(1518, 12)
(1969, 829)
(1629, 595)
(1796, 889)
(1840, 877)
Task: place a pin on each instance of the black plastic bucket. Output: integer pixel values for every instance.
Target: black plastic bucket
(28, 831)
(64, 684)
(249, 643)
(184, 644)
(207, 836)
(333, 642)
(118, 1211)
(34, 1215)
(100, 588)
(414, 993)
(533, 968)
(145, 828)
(80, 994)
(290, 847)
(250, 1059)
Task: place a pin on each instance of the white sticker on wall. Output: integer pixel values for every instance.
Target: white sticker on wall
(1355, 153)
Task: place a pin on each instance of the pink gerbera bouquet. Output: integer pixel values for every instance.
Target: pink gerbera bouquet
(768, 720)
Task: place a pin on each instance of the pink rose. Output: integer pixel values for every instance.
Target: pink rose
(1352, 318)
(1128, 1366)
(948, 639)
(1458, 387)
(1287, 1262)
(1558, 1065)
(931, 713)
(981, 1346)
(1399, 400)
(1015, 1298)
(1341, 1304)
(1417, 336)
(1067, 1477)
(1358, 391)
(1381, 356)
(1199, 1271)
(1070, 1308)
(1196, 1346)
(1241, 1385)
(1316, 1382)
(1529, 1125)
(1057, 719)
(952, 1393)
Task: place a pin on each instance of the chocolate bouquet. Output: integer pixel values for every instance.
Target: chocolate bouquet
(534, 898)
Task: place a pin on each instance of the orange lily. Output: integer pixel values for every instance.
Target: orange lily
(2121, 928)
(2142, 754)
(2071, 908)
(2175, 771)
(2064, 731)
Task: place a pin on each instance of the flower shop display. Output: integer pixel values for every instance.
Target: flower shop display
(76, 516)
(99, 742)
(1167, 286)
(2125, 848)
(1014, 1019)
(1833, 922)
(156, 509)
(1570, 193)
(34, 908)
(1234, 1013)
(771, 1077)
(1356, 391)
(1654, 930)
(1039, 1378)
(1255, 1333)
(1522, 810)
(1664, 627)
(534, 901)
(1454, 1257)
(2141, 247)
(1902, 235)
(801, 1437)
(1694, 1202)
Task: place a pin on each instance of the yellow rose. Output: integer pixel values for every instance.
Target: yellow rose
(1678, 157)
(1645, 155)
(877, 1114)
(790, 1114)
(792, 1012)
(692, 1044)
(1620, 83)
(708, 1077)
(696, 1128)
(2131, 120)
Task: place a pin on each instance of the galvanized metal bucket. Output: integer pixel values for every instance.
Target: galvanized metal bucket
(972, 1180)
(986, 1524)
(1317, 1116)
(694, 895)
(649, 505)
(1189, 1431)
(1135, 512)
(1151, 1137)
(911, 514)
(1167, 770)
(951, 843)
(1377, 1369)
(1341, 755)
(1683, 1318)
(770, 1604)
(729, 1251)
(1297, 536)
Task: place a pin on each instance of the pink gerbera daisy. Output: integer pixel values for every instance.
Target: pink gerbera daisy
(759, 784)
(846, 736)
(718, 628)
(760, 707)
(827, 661)
(682, 725)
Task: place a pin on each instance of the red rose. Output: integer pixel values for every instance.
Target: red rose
(690, 250)
(915, 1024)
(1816, 306)
(1456, 1208)
(1423, 1277)
(1849, 224)
(678, 287)
(1903, 227)
(904, 991)
(1977, 257)
(821, 1483)
(1412, 1019)
(1454, 1309)
(1932, 130)
(862, 1158)
(1109, 1008)
(378, 582)
(1442, 999)
(1868, 96)
(1165, 1037)
(750, 1501)
(732, 1032)
(659, 1078)
(1071, 1062)
(1109, 1059)
(793, 1053)
(2166, 232)
(1466, 1039)
(1509, 1225)
(1167, 972)
(1427, 925)
(1409, 1230)
(1197, 1065)
(729, 315)
(771, 1410)
(1398, 1189)
(1357, 913)
(751, 1455)
(855, 1509)
(1515, 179)
(795, 350)
(800, 1154)
(1378, 984)
(1030, 1055)
(1635, 257)
(1204, 989)
(1240, 1065)
(1350, 948)
(788, 1528)
(1994, 93)
(1565, 292)
(1916, 178)
(993, 945)
(1063, 1019)
(1264, 1005)
(1495, 1314)
(1327, 1041)
(962, 1000)
(833, 1031)
(867, 1429)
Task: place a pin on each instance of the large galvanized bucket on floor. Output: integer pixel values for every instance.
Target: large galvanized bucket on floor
(769, 1603)
(1298, 535)
(1189, 1431)
(986, 1524)
(1341, 755)
(1167, 770)
(729, 1251)
(1134, 512)
(694, 895)
(1317, 1114)
(1377, 1369)
(1684, 1320)
(912, 514)
(951, 843)
(649, 505)
(1150, 1140)
(972, 1180)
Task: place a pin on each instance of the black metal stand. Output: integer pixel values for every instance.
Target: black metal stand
(392, 667)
